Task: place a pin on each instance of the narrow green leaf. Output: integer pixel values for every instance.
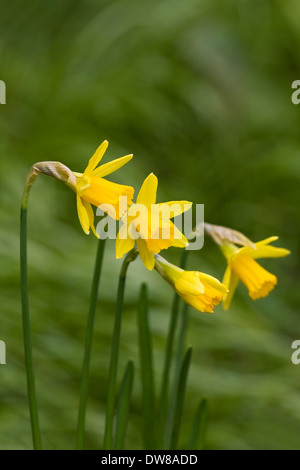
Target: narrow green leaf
(32, 399)
(164, 393)
(146, 365)
(85, 372)
(180, 398)
(197, 438)
(181, 339)
(123, 406)
(114, 357)
(180, 347)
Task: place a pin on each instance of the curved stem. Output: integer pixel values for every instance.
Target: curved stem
(27, 333)
(88, 346)
(64, 174)
(108, 434)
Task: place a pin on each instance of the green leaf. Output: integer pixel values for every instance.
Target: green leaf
(197, 438)
(164, 393)
(114, 357)
(123, 406)
(180, 346)
(146, 365)
(180, 398)
(85, 372)
(30, 375)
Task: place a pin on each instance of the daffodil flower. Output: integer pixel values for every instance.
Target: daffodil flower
(92, 188)
(242, 266)
(197, 289)
(152, 230)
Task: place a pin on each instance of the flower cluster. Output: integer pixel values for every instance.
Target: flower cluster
(152, 230)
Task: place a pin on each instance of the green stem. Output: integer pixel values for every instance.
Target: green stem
(168, 359)
(108, 433)
(61, 172)
(27, 333)
(88, 346)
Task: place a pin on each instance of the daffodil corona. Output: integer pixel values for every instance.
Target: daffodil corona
(149, 225)
(197, 289)
(242, 266)
(92, 188)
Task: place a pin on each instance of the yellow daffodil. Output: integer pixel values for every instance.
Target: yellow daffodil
(152, 229)
(92, 188)
(197, 289)
(242, 266)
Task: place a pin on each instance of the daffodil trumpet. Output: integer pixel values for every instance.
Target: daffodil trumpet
(242, 265)
(200, 290)
(149, 224)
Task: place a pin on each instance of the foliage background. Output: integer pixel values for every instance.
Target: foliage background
(200, 92)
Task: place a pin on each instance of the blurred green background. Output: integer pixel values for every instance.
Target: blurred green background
(200, 93)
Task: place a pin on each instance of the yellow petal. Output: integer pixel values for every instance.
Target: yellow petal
(83, 215)
(146, 255)
(180, 241)
(156, 245)
(204, 302)
(123, 243)
(231, 281)
(164, 236)
(174, 208)
(110, 167)
(91, 217)
(267, 251)
(189, 283)
(264, 250)
(227, 277)
(213, 282)
(183, 243)
(95, 160)
(147, 194)
(268, 240)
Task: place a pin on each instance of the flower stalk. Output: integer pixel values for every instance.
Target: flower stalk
(61, 172)
(88, 346)
(33, 407)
